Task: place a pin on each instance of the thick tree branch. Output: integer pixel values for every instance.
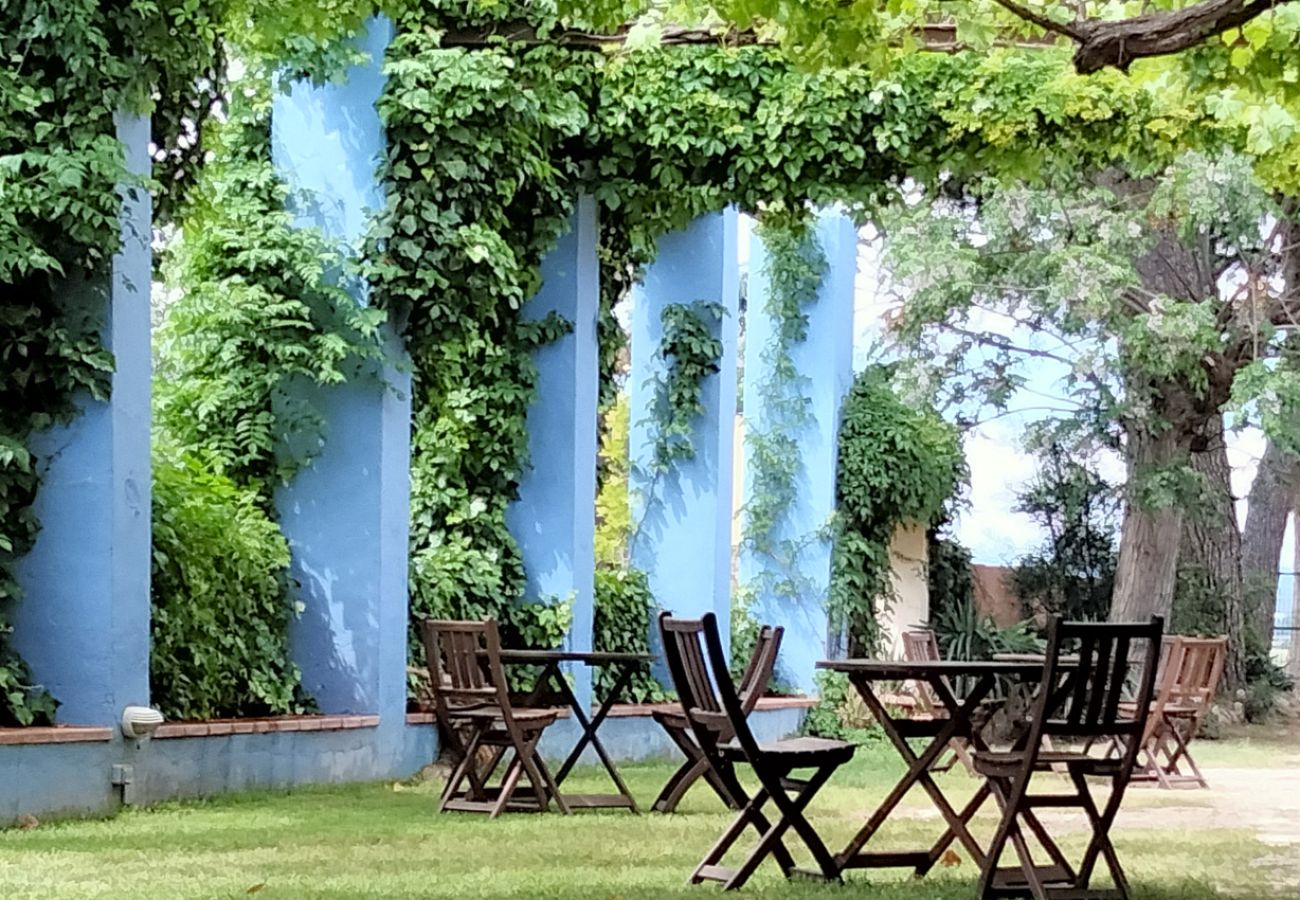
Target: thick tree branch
(1102, 43)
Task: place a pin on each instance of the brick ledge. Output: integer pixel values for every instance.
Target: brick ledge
(271, 725)
(634, 710)
(55, 734)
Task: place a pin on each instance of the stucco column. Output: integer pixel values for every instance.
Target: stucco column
(83, 622)
(682, 518)
(347, 514)
(824, 365)
(554, 518)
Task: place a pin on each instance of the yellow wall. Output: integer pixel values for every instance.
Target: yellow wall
(910, 606)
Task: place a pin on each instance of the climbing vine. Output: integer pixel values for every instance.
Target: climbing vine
(260, 321)
(70, 68)
(691, 351)
(481, 179)
(897, 464)
(793, 272)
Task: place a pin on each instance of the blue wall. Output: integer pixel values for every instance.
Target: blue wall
(554, 518)
(83, 624)
(682, 519)
(824, 361)
(347, 515)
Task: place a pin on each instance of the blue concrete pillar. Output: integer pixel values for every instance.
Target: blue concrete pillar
(795, 595)
(682, 519)
(347, 515)
(554, 518)
(83, 623)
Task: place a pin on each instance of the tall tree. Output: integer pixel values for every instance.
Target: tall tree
(1117, 283)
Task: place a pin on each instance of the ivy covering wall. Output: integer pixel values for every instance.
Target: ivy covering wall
(260, 314)
(482, 171)
(70, 67)
(898, 462)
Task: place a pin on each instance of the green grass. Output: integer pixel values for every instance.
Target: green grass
(385, 841)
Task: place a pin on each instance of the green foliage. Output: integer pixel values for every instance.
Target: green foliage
(481, 184)
(963, 633)
(691, 351)
(793, 271)
(613, 503)
(897, 463)
(259, 318)
(220, 618)
(69, 67)
(948, 571)
(624, 608)
(1073, 572)
(837, 714)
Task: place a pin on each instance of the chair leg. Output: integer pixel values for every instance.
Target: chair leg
(749, 815)
(508, 785)
(463, 769)
(681, 780)
(811, 839)
(1101, 845)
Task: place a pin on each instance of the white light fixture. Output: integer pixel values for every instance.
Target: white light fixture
(140, 722)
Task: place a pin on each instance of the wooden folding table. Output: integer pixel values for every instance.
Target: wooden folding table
(552, 675)
(865, 674)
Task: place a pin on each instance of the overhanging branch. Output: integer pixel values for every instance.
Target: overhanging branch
(1100, 43)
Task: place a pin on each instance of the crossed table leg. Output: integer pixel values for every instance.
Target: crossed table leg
(623, 799)
(940, 732)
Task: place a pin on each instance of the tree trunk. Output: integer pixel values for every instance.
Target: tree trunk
(1210, 598)
(1293, 662)
(1272, 495)
(1146, 570)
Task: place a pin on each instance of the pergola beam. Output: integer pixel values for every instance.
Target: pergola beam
(1099, 43)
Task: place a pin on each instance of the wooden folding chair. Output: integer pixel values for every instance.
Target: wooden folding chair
(714, 713)
(1188, 683)
(753, 682)
(473, 709)
(923, 646)
(1075, 700)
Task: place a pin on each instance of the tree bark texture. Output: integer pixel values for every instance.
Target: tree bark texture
(1272, 496)
(1146, 570)
(1210, 576)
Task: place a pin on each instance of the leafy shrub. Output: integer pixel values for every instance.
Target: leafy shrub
(897, 463)
(220, 612)
(962, 633)
(1073, 572)
(260, 312)
(838, 714)
(624, 607)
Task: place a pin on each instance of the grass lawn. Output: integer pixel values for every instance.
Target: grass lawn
(385, 841)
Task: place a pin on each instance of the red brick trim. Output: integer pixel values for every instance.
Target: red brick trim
(55, 734)
(634, 710)
(273, 725)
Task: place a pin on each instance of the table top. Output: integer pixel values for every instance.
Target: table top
(587, 657)
(901, 669)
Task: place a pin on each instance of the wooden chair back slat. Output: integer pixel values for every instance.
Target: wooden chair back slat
(464, 660)
(700, 681)
(1088, 701)
(920, 646)
(682, 642)
(1199, 668)
(758, 671)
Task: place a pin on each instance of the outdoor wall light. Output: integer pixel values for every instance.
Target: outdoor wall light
(140, 722)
